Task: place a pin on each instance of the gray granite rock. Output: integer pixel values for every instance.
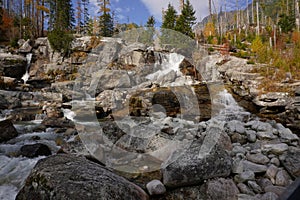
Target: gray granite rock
(258, 158)
(202, 160)
(155, 187)
(65, 176)
(244, 176)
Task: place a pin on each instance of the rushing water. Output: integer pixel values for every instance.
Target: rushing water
(25, 77)
(15, 168)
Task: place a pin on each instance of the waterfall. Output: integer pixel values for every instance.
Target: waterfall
(25, 77)
(229, 108)
(168, 63)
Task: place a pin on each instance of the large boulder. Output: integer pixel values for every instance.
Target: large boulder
(12, 65)
(69, 177)
(204, 159)
(7, 130)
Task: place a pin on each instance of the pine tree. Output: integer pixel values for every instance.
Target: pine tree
(169, 18)
(106, 24)
(62, 19)
(186, 20)
(86, 16)
(150, 22)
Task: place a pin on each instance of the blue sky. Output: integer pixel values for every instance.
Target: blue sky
(138, 11)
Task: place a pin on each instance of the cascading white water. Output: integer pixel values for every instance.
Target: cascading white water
(228, 107)
(25, 77)
(168, 63)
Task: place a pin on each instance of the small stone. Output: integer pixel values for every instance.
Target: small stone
(282, 178)
(244, 176)
(275, 161)
(269, 196)
(255, 187)
(265, 135)
(245, 189)
(256, 168)
(155, 187)
(276, 149)
(238, 138)
(238, 149)
(251, 135)
(236, 126)
(271, 173)
(258, 158)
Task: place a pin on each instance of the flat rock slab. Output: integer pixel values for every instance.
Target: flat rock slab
(66, 176)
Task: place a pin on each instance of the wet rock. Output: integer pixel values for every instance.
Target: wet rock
(35, 150)
(221, 189)
(58, 122)
(244, 176)
(256, 168)
(66, 176)
(245, 189)
(276, 149)
(12, 65)
(7, 131)
(258, 158)
(282, 178)
(202, 160)
(155, 187)
(292, 161)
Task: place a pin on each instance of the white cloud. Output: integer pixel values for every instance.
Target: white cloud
(201, 6)
(155, 7)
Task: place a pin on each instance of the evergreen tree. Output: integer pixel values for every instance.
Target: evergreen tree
(86, 16)
(150, 22)
(62, 19)
(106, 23)
(287, 23)
(169, 18)
(186, 20)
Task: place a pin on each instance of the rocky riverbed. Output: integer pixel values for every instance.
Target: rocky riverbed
(121, 120)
